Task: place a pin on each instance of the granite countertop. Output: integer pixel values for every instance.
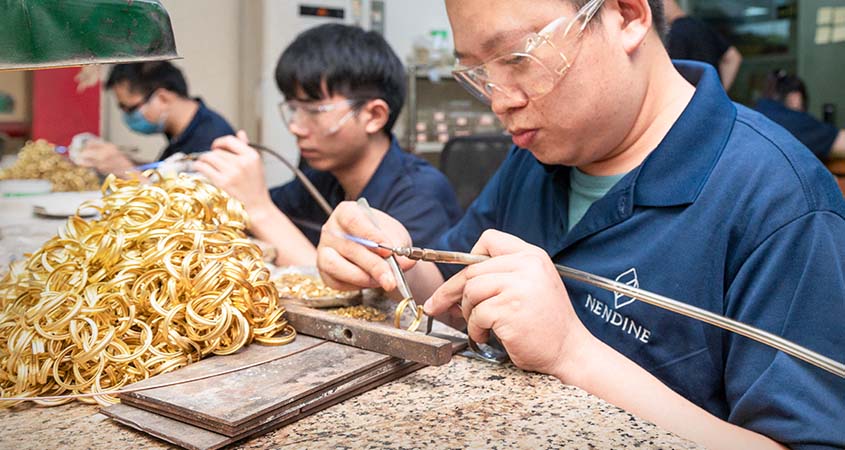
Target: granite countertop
(466, 403)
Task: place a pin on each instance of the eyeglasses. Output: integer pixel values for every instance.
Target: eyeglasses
(133, 108)
(312, 116)
(535, 64)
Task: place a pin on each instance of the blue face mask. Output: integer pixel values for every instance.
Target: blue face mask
(139, 124)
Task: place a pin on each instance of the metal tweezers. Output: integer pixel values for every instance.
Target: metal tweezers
(401, 283)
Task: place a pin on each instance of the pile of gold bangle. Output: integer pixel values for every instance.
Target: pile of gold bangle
(39, 160)
(165, 277)
(363, 312)
(304, 287)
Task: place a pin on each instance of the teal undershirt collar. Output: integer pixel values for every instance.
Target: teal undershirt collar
(584, 190)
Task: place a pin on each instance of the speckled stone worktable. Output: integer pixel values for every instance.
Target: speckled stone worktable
(464, 404)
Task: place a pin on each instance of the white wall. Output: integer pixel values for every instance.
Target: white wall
(405, 20)
(207, 37)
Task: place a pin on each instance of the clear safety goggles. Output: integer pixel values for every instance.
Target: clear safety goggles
(535, 64)
(315, 117)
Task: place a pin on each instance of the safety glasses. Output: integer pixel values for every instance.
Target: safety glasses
(133, 108)
(315, 117)
(535, 64)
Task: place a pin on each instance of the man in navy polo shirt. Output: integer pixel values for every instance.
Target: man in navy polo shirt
(154, 99)
(344, 88)
(639, 170)
(785, 103)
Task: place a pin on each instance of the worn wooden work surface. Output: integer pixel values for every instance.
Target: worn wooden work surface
(466, 403)
(200, 437)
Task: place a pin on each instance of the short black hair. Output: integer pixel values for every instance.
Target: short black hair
(658, 15)
(780, 83)
(146, 77)
(352, 62)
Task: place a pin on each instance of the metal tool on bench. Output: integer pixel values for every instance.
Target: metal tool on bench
(764, 337)
(482, 351)
(401, 283)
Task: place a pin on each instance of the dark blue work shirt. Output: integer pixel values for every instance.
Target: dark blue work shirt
(815, 134)
(404, 186)
(729, 213)
(204, 128)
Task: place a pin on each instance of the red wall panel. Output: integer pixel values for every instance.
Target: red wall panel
(58, 111)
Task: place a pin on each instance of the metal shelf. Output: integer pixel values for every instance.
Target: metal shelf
(446, 97)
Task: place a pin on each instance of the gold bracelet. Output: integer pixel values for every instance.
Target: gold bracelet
(163, 278)
(400, 308)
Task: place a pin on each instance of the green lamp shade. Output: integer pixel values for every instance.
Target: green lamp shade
(38, 34)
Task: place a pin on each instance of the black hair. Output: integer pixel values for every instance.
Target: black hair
(658, 15)
(352, 62)
(146, 77)
(779, 84)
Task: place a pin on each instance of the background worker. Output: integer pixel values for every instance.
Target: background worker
(154, 99)
(692, 39)
(344, 88)
(716, 206)
(785, 102)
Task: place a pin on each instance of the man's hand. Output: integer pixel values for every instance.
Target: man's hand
(105, 158)
(235, 167)
(345, 264)
(519, 295)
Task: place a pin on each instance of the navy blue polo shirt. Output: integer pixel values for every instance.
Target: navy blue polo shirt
(815, 134)
(204, 128)
(729, 213)
(404, 186)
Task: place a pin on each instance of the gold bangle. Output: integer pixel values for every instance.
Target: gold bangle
(163, 278)
(400, 308)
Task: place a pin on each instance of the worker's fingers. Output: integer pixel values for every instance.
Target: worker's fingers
(339, 273)
(498, 265)
(482, 288)
(449, 294)
(94, 145)
(242, 136)
(350, 219)
(363, 258)
(483, 319)
(218, 160)
(86, 158)
(497, 243)
(233, 144)
(208, 171)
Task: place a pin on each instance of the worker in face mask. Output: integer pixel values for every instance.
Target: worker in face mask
(154, 99)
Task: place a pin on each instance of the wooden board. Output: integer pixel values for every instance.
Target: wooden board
(228, 404)
(292, 381)
(197, 438)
